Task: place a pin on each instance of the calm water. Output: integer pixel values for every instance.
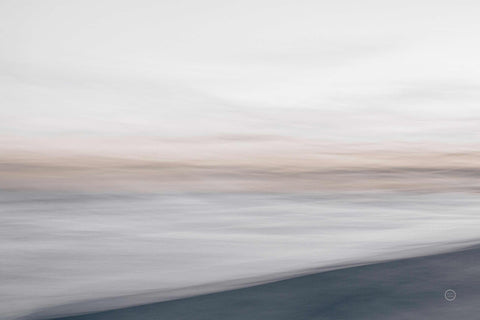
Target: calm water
(60, 248)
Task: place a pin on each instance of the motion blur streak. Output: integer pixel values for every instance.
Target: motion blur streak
(60, 248)
(163, 149)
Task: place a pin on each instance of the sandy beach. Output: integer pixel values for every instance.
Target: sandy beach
(400, 289)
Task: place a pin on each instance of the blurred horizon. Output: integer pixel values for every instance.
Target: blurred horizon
(161, 146)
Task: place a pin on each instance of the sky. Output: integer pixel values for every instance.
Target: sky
(343, 71)
(281, 82)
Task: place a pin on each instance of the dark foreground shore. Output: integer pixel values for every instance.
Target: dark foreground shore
(402, 289)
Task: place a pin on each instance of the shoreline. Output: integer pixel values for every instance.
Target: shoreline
(234, 287)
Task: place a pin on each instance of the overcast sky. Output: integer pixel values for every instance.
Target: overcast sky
(340, 71)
